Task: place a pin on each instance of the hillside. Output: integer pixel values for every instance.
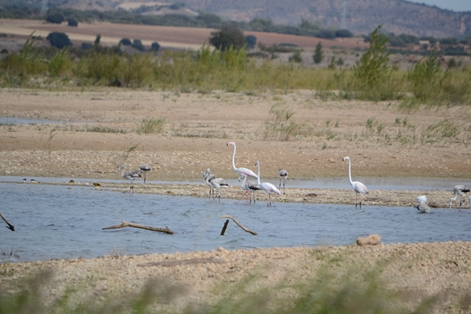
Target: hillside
(397, 16)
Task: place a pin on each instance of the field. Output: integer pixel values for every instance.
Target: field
(180, 134)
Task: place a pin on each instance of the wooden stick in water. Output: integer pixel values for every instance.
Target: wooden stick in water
(239, 224)
(125, 224)
(10, 226)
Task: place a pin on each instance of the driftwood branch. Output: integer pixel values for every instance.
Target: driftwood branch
(225, 227)
(125, 224)
(239, 224)
(10, 226)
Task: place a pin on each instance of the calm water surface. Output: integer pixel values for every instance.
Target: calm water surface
(66, 222)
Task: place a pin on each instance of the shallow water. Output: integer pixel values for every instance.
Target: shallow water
(373, 183)
(66, 222)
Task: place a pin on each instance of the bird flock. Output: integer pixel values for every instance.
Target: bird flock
(216, 184)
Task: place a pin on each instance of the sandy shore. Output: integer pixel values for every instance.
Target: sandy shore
(100, 131)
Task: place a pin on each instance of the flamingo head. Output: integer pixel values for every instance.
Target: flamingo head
(206, 173)
(345, 158)
(257, 163)
(230, 143)
(122, 167)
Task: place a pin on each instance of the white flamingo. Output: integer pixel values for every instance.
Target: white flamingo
(266, 186)
(240, 171)
(249, 188)
(145, 169)
(422, 207)
(215, 183)
(283, 174)
(357, 186)
(130, 175)
(459, 190)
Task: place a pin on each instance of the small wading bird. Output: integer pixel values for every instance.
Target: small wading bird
(214, 183)
(422, 207)
(250, 189)
(266, 186)
(145, 169)
(357, 186)
(130, 175)
(459, 190)
(283, 174)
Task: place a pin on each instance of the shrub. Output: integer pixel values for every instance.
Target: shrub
(60, 63)
(55, 18)
(86, 46)
(318, 55)
(72, 22)
(373, 67)
(137, 44)
(59, 40)
(155, 46)
(343, 33)
(251, 41)
(126, 42)
(296, 57)
(228, 36)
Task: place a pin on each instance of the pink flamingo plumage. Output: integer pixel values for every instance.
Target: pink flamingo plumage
(240, 171)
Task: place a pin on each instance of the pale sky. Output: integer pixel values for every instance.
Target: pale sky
(453, 5)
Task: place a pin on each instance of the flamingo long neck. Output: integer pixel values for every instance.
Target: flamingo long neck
(122, 172)
(350, 172)
(233, 158)
(258, 178)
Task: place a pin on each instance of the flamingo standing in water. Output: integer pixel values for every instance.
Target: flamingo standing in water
(283, 174)
(422, 207)
(249, 188)
(215, 183)
(145, 169)
(459, 190)
(206, 174)
(357, 186)
(266, 186)
(130, 175)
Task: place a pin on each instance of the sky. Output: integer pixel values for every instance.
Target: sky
(453, 5)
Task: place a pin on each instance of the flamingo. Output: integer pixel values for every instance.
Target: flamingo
(249, 188)
(283, 174)
(266, 186)
(145, 169)
(422, 207)
(240, 171)
(206, 174)
(130, 175)
(215, 183)
(357, 186)
(459, 190)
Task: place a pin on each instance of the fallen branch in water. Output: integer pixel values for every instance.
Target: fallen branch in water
(10, 226)
(237, 223)
(125, 224)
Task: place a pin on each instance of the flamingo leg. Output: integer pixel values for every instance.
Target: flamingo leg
(243, 195)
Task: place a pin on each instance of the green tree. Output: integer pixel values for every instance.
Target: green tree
(228, 36)
(59, 40)
(72, 22)
(318, 55)
(373, 68)
(55, 18)
(251, 41)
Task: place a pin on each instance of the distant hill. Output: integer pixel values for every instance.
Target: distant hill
(358, 16)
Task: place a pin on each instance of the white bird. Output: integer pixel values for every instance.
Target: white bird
(145, 169)
(357, 186)
(215, 183)
(266, 186)
(130, 175)
(459, 190)
(206, 174)
(249, 188)
(283, 174)
(240, 171)
(422, 207)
